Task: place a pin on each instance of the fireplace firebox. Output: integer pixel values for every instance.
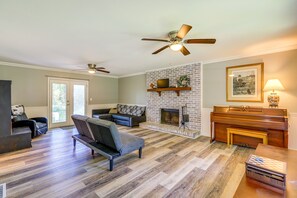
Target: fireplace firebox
(170, 116)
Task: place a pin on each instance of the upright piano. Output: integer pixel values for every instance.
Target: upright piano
(273, 121)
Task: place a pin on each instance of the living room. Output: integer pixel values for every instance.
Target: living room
(52, 46)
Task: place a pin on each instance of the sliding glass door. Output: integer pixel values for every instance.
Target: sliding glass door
(66, 97)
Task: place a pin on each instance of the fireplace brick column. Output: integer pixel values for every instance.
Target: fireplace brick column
(170, 100)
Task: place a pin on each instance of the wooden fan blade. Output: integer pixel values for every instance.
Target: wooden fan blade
(183, 31)
(149, 39)
(161, 49)
(200, 41)
(100, 70)
(185, 51)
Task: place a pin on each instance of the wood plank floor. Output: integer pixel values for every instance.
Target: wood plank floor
(171, 166)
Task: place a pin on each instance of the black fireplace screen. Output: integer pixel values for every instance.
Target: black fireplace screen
(170, 116)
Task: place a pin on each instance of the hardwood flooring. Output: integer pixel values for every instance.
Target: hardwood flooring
(171, 166)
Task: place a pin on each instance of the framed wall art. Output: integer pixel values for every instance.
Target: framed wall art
(244, 83)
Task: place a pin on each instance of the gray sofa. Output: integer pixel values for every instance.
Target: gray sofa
(125, 115)
(103, 137)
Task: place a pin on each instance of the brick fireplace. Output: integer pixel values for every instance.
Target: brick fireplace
(169, 99)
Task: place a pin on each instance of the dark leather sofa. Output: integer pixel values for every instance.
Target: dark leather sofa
(126, 115)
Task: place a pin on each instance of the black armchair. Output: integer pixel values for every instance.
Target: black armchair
(38, 125)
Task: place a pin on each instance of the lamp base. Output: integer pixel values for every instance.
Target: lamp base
(273, 100)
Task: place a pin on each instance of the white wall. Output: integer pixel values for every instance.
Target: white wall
(293, 131)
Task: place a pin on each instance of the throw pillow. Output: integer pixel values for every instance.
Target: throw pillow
(138, 111)
(121, 109)
(113, 110)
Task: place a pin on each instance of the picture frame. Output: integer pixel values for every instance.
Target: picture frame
(244, 83)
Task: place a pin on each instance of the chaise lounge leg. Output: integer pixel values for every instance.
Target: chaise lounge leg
(93, 152)
(111, 164)
(74, 142)
(140, 152)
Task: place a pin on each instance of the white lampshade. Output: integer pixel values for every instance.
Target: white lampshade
(273, 84)
(176, 46)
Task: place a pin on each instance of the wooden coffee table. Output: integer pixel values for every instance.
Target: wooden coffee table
(246, 189)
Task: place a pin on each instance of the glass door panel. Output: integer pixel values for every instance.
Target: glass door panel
(66, 97)
(59, 102)
(79, 99)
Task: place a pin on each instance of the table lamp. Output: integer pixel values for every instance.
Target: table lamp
(272, 85)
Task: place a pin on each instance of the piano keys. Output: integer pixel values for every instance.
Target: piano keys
(273, 121)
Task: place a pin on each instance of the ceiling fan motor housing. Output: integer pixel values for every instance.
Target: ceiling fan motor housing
(173, 37)
(92, 66)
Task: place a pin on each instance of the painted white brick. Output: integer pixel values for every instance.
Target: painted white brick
(170, 100)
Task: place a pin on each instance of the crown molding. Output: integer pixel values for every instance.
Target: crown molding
(276, 50)
(175, 66)
(130, 75)
(51, 69)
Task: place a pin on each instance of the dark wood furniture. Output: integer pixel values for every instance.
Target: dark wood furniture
(176, 89)
(248, 189)
(272, 121)
(10, 140)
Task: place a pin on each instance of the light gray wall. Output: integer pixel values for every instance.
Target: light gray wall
(30, 86)
(132, 90)
(282, 65)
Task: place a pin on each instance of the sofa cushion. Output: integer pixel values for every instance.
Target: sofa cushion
(106, 133)
(121, 117)
(81, 125)
(40, 125)
(130, 143)
(102, 116)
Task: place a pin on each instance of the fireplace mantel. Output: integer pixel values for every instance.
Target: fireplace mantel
(176, 89)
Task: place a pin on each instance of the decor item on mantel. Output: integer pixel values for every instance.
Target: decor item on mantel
(163, 83)
(272, 85)
(183, 81)
(152, 86)
(244, 83)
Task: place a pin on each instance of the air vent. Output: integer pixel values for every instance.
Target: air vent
(2, 190)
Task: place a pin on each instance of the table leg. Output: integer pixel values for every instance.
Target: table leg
(228, 138)
(265, 140)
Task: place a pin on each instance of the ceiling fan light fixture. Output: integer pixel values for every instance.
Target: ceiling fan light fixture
(92, 71)
(176, 46)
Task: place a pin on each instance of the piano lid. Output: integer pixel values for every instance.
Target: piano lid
(250, 110)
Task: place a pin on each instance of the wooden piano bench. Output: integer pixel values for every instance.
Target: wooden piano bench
(244, 132)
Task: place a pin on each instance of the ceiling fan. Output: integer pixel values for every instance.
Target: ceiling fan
(93, 69)
(176, 40)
